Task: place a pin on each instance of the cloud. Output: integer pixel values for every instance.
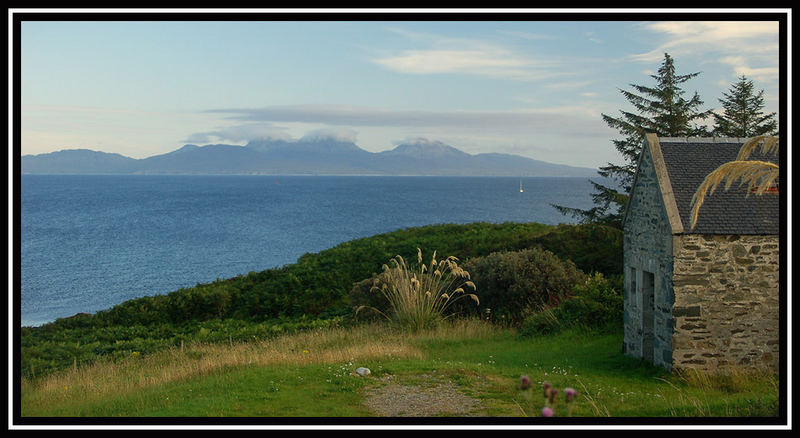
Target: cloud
(338, 134)
(266, 131)
(740, 44)
(565, 85)
(527, 35)
(715, 32)
(742, 66)
(476, 62)
(575, 117)
(592, 38)
(565, 134)
(241, 133)
(712, 36)
(448, 61)
(466, 56)
(417, 139)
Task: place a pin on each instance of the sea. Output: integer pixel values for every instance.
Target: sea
(89, 242)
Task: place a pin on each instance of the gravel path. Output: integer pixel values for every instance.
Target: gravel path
(437, 398)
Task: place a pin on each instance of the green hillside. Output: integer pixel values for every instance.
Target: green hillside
(313, 292)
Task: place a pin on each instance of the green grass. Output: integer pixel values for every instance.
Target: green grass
(282, 391)
(315, 378)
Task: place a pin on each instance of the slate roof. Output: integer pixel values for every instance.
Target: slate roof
(688, 161)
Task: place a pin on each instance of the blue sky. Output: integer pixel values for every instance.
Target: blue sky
(532, 88)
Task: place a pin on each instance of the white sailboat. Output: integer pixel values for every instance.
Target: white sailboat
(520, 186)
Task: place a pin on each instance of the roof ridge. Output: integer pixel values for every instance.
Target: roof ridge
(702, 139)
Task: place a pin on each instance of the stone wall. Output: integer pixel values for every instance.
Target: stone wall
(648, 250)
(726, 301)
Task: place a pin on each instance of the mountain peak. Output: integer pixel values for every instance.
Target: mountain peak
(187, 148)
(425, 148)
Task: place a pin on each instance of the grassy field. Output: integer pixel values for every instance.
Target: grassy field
(312, 374)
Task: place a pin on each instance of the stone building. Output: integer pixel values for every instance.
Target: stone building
(706, 297)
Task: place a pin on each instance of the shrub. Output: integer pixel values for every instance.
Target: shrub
(418, 297)
(513, 284)
(597, 304)
(592, 247)
(372, 305)
(543, 322)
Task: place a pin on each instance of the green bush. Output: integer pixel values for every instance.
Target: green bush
(371, 305)
(597, 304)
(512, 284)
(592, 247)
(318, 287)
(543, 322)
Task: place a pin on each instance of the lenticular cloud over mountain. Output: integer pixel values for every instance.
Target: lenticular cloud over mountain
(241, 133)
(343, 135)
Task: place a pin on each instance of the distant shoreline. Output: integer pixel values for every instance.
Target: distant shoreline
(307, 157)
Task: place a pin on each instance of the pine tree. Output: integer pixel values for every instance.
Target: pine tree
(660, 109)
(743, 116)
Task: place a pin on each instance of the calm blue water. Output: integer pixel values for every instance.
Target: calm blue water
(92, 241)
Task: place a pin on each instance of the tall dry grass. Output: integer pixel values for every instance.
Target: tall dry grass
(729, 379)
(419, 296)
(322, 346)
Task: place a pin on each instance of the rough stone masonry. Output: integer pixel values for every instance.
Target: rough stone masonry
(726, 301)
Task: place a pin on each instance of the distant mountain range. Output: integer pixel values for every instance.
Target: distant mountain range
(300, 157)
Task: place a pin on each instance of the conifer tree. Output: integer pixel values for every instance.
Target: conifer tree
(743, 116)
(661, 109)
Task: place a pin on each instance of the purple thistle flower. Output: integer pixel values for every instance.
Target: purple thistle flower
(525, 382)
(570, 393)
(547, 412)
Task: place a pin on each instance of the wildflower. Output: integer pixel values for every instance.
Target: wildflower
(305, 351)
(547, 412)
(547, 388)
(570, 394)
(525, 382)
(553, 394)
